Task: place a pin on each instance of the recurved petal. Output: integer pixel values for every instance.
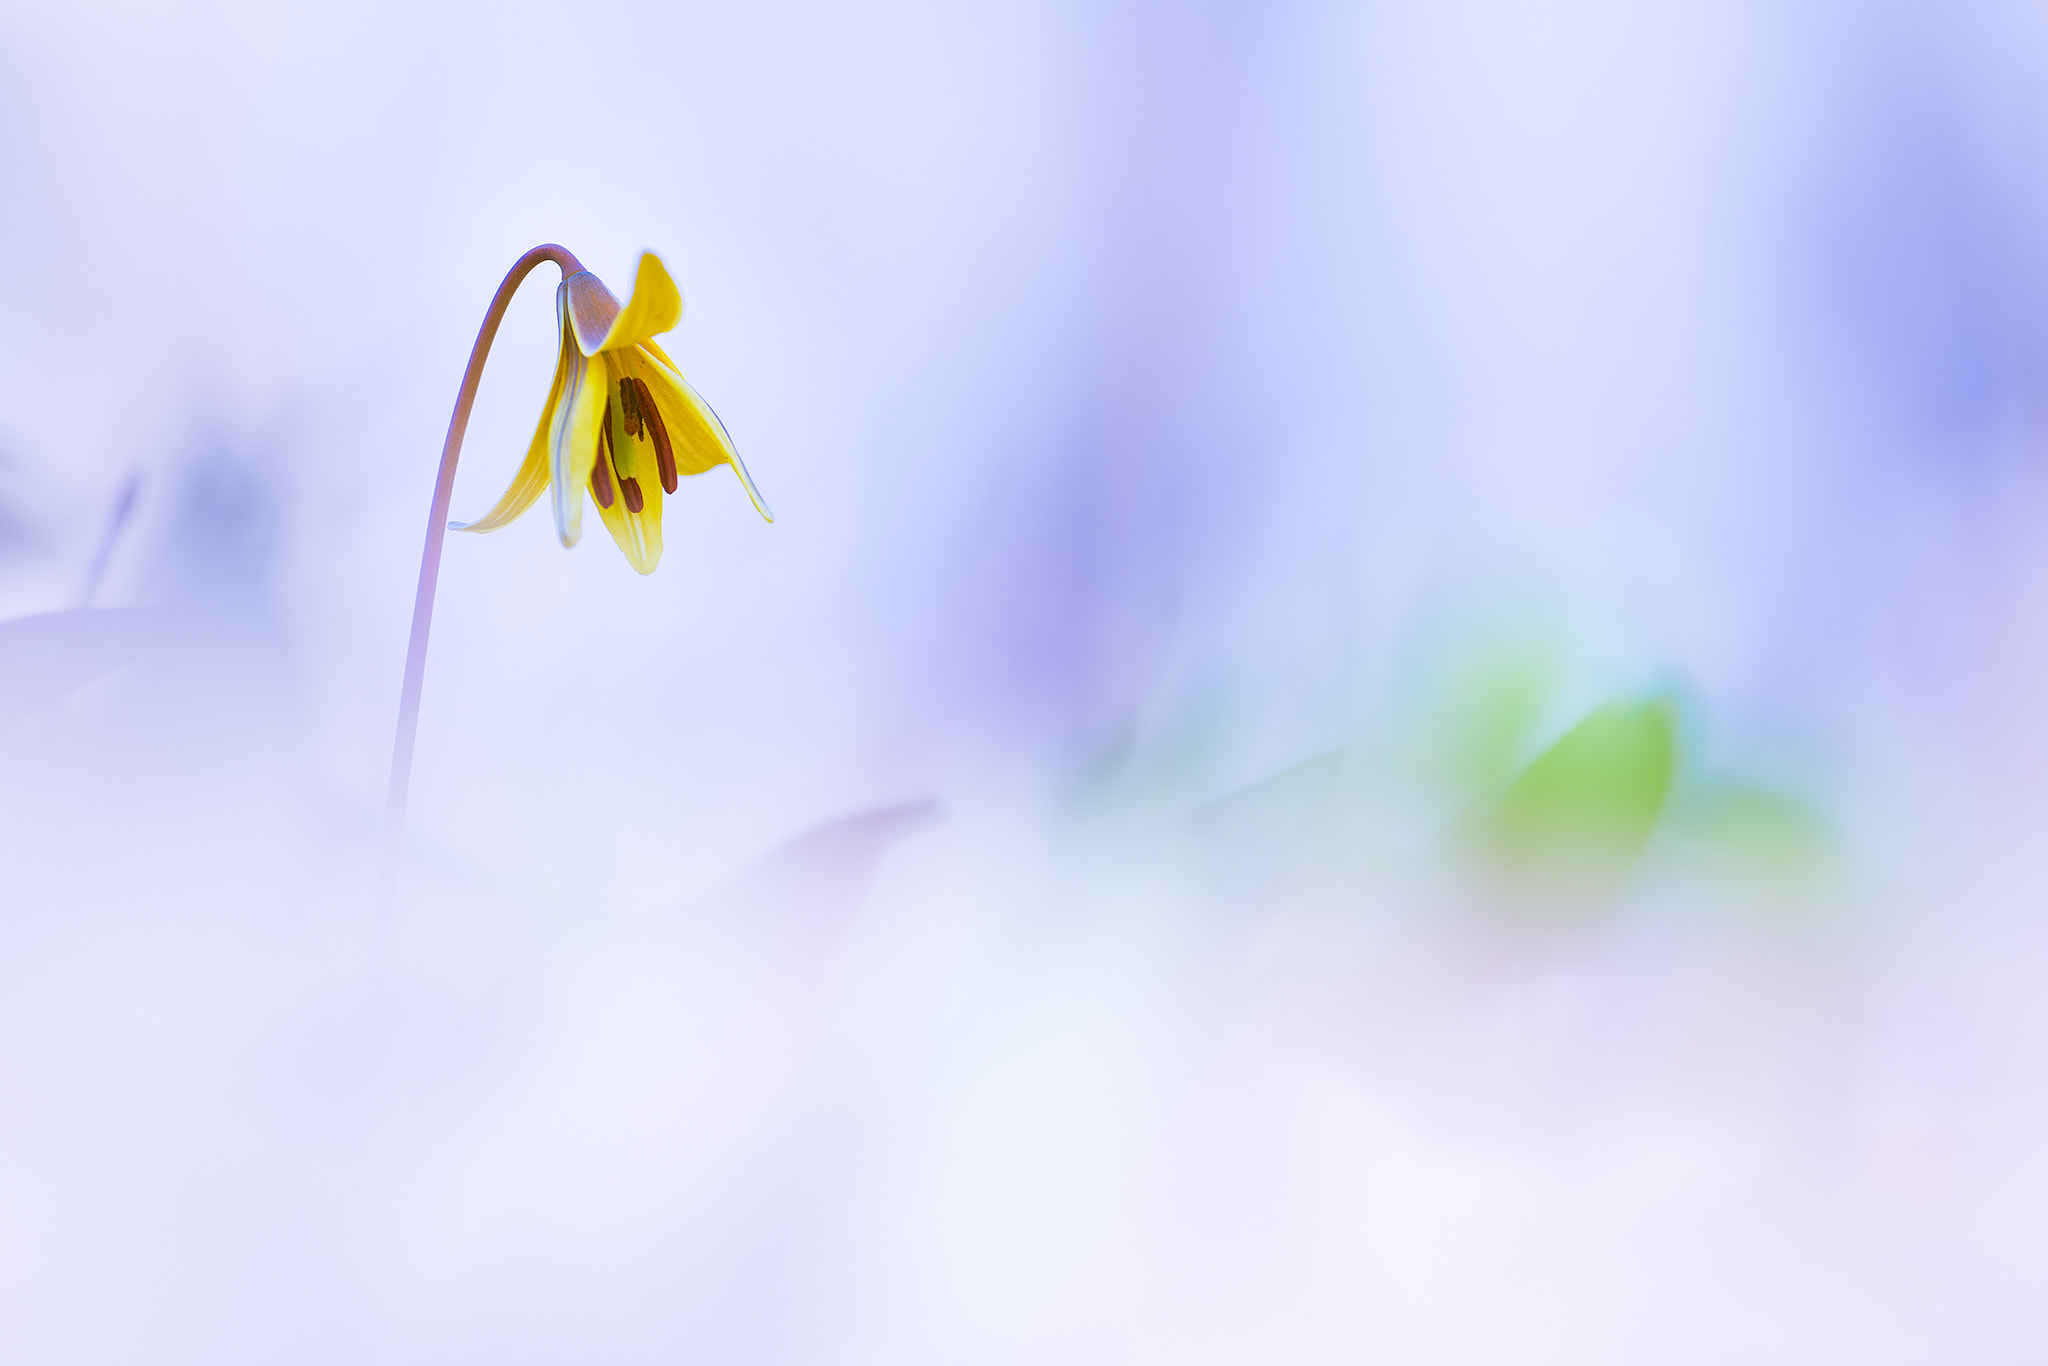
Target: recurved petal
(591, 309)
(699, 439)
(534, 471)
(572, 441)
(656, 306)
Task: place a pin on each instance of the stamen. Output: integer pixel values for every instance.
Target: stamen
(631, 488)
(650, 417)
(629, 404)
(601, 472)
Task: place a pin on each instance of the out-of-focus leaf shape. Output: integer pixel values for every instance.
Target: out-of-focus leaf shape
(1488, 710)
(821, 875)
(1150, 776)
(1586, 805)
(1272, 816)
(1749, 829)
(44, 658)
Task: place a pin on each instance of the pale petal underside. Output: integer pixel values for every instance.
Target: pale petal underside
(573, 441)
(592, 309)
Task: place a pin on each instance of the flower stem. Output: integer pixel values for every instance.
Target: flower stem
(430, 559)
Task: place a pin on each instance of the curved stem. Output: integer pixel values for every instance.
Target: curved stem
(430, 559)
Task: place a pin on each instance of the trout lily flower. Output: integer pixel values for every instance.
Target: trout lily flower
(620, 420)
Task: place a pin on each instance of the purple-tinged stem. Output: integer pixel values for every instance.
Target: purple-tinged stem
(430, 559)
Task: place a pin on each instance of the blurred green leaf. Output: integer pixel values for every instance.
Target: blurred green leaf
(1588, 803)
(1756, 830)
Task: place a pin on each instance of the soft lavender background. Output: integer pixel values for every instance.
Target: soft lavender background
(1118, 373)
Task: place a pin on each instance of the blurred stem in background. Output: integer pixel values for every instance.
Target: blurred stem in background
(117, 522)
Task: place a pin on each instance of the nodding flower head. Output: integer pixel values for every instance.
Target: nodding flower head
(620, 420)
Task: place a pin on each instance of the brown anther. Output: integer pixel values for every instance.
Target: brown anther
(629, 405)
(650, 418)
(631, 488)
(601, 472)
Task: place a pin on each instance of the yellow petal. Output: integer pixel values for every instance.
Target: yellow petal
(699, 438)
(656, 306)
(572, 441)
(638, 534)
(534, 471)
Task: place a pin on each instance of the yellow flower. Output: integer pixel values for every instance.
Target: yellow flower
(620, 420)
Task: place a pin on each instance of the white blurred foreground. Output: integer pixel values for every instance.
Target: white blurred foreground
(974, 1085)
